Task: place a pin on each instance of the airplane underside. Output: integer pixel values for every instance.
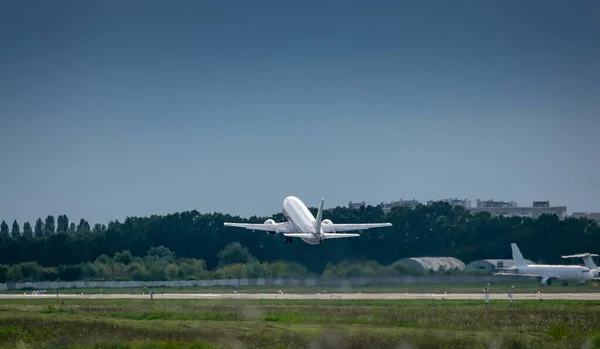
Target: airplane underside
(315, 241)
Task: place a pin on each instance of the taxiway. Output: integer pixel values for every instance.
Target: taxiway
(383, 296)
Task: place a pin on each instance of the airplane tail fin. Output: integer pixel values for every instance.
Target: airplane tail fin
(517, 256)
(319, 218)
(589, 262)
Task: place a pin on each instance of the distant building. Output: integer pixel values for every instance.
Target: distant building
(511, 209)
(490, 265)
(356, 205)
(495, 204)
(432, 263)
(454, 202)
(387, 206)
(589, 215)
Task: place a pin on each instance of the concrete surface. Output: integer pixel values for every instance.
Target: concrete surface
(516, 296)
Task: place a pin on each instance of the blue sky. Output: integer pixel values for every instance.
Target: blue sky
(113, 108)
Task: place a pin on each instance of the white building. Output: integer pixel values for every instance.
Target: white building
(589, 215)
(495, 204)
(387, 206)
(466, 203)
(356, 205)
(511, 209)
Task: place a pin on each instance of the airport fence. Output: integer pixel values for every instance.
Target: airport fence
(306, 282)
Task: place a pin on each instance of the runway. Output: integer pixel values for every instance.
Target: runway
(275, 296)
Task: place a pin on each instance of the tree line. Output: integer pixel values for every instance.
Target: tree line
(47, 227)
(436, 229)
(160, 263)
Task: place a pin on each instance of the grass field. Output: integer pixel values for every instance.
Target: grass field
(523, 287)
(398, 324)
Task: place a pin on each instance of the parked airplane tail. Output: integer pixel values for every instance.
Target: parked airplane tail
(517, 256)
(319, 218)
(589, 262)
(587, 259)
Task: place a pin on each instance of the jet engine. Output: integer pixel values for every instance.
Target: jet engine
(269, 222)
(546, 281)
(326, 221)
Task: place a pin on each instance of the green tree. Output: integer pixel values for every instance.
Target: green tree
(4, 230)
(161, 252)
(123, 257)
(72, 228)
(39, 228)
(235, 253)
(62, 224)
(50, 228)
(3, 273)
(97, 228)
(16, 230)
(70, 272)
(83, 226)
(27, 231)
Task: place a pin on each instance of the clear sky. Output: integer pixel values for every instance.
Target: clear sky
(115, 108)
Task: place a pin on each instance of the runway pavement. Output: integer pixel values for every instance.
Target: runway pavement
(455, 296)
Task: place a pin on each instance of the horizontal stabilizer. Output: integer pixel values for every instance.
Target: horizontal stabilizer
(331, 228)
(581, 255)
(338, 235)
(325, 235)
(299, 235)
(282, 227)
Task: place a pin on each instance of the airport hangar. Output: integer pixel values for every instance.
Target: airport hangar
(432, 263)
(487, 266)
(484, 266)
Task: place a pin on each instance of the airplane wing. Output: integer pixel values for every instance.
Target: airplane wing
(332, 228)
(283, 227)
(525, 275)
(537, 276)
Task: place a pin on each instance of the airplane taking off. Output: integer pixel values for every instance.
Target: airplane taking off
(588, 261)
(302, 224)
(546, 273)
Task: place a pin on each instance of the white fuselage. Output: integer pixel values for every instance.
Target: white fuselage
(562, 272)
(296, 212)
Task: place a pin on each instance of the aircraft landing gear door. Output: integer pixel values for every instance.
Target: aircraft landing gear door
(287, 240)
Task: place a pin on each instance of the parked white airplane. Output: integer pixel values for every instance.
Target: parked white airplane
(588, 261)
(302, 224)
(546, 273)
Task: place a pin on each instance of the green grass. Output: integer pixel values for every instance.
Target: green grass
(133, 323)
(523, 287)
